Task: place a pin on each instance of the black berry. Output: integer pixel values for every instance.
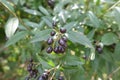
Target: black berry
(64, 38)
(50, 41)
(99, 49)
(51, 3)
(40, 78)
(29, 68)
(62, 30)
(61, 78)
(49, 49)
(61, 42)
(56, 49)
(61, 49)
(54, 24)
(52, 33)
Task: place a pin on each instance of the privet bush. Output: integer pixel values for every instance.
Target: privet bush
(61, 39)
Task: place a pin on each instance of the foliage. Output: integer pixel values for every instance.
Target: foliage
(92, 29)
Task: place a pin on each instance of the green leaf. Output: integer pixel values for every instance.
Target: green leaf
(8, 5)
(117, 15)
(15, 38)
(71, 60)
(44, 63)
(90, 35)
(48, 21)
(41, 35)
(109, 38)
(31, 24)
(31, 11)
(80, 38)
(117, 51)
(11, 26)
(94, 20)
(44, 11)
(70, 25)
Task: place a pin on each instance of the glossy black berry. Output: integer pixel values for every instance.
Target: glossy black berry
(54, 24)
(45, 76)
(56, 49)
(51, 3)
(29, 68)
(40, 78)
(61, 78)
(50, 41)
(49, 49)
(61, 49)
(52, 33)
(62, 30)
(99, 49)
(61, 42)
(64, 38)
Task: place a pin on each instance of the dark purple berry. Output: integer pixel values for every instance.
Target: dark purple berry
(61, 78)
(61, 49)
(50, 41)
(64, 38)
(56, 49)
(54, 24)
(45, 76)
(52, 33)
(29, 68)
(61, 42)
(31, 73)
(51, 3)
(62, 30)
(99, 49)
(49, 49)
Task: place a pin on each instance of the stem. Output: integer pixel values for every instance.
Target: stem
(116, 70)
(15, 16)
(113, 5)
(54, 71)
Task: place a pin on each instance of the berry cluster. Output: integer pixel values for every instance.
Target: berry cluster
(32, 72)
(61, 41)
(44, 76)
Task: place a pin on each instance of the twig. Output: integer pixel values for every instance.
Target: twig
(54, 72)
(116, 70)
(15, 16)
(113, 5)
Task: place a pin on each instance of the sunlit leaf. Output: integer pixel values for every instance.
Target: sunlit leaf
(11, 26)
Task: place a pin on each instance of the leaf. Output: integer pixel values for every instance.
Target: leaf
(41, 35)
(8, 5)
(31, 11)
(44, 11)
(11, 26)
(94, 20)
(90, 35)
(117, 15)
(71, 60)
(70, 25)
(15, 38)
(80, 38)
(31, 24)
(48, 21)
(109, 38)
(117, 51)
